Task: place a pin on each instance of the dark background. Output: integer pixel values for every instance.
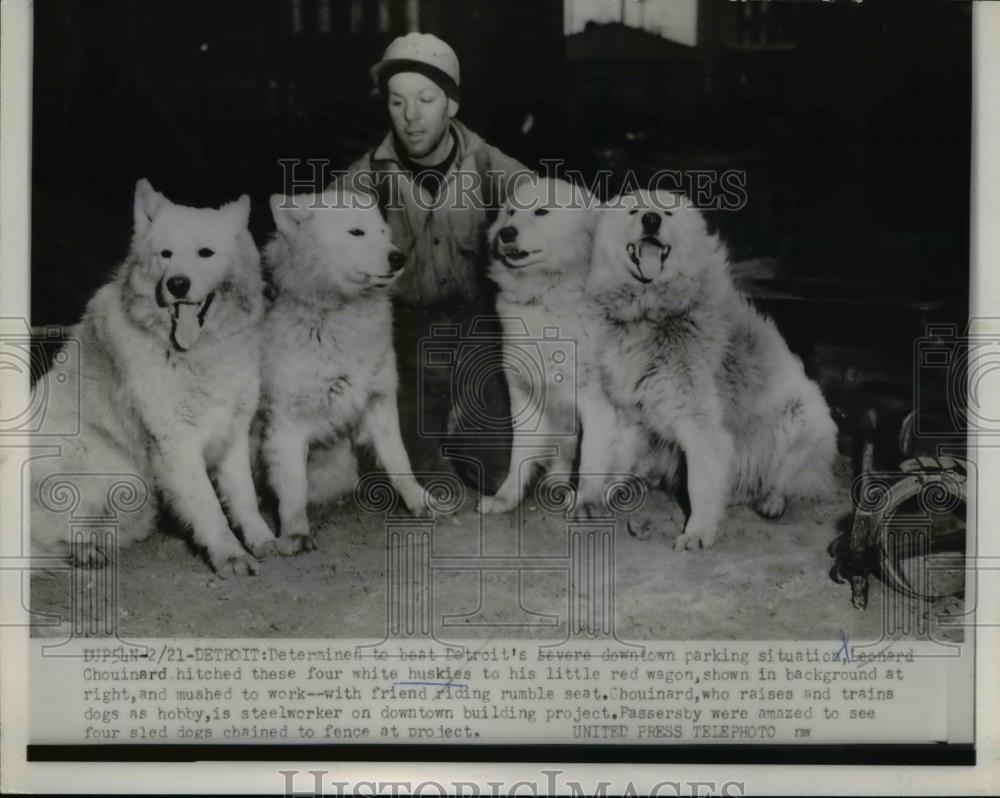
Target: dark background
(851, 120)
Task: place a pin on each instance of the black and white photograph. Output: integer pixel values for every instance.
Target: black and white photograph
(625, 354)
(738, 269)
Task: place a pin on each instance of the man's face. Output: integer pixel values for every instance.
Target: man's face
(420, 112)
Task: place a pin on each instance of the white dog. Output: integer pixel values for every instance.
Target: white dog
(541, 255)
(169, 376)
(689, 366)
(329, 366)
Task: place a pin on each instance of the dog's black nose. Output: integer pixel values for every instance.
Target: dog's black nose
(396, 260)
(507, 234)
(651, 222)
(178, 286)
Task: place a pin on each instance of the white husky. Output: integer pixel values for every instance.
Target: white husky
(541, 255)
(329, 365)
(687, 365)
(169, 376)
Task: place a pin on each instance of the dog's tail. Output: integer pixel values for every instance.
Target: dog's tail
(813, 479)
(791, 451)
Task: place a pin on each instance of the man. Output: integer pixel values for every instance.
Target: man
(438, 184)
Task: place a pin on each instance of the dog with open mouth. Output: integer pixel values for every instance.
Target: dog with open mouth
(649, 257)
(540, 245)
(329, 366)
(169, 381)
(684, 357)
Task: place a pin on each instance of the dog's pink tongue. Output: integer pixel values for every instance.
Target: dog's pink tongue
(649, 258)
(187, 326)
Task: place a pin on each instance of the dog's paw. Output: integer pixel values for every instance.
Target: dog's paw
(640, 528)
(771, 505)
(419, 503)
(262, 549)
(587, 510)
(241, 563)
(290, 545)
(419, 510)
(494, 505)
(695, 538)
(259, 539)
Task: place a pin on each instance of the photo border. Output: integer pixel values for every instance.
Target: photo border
(27, 768)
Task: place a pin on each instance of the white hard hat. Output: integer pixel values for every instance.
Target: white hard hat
(423, 53)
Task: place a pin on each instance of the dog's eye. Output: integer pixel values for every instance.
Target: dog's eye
(166, 253)
(633, 212)
(357, 231)
(513, 211)
(205, 252)
(541, 212)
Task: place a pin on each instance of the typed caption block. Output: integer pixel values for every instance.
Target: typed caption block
(338, 691)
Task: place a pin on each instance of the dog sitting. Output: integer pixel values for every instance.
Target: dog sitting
(684, 359)
(541, 255)
(169, 380)
(329, 368)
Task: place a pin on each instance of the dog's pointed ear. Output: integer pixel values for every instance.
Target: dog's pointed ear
(239, 210)
(147, 202)
(589, 205)
(594, 211)
(290, 212)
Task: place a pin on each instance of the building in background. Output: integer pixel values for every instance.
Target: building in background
(704, 23)
(676, 20)
(671, 61)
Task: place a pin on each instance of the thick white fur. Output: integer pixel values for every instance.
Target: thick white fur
(148, 409)
(687, 359)
(329, 367)
(541, 291)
